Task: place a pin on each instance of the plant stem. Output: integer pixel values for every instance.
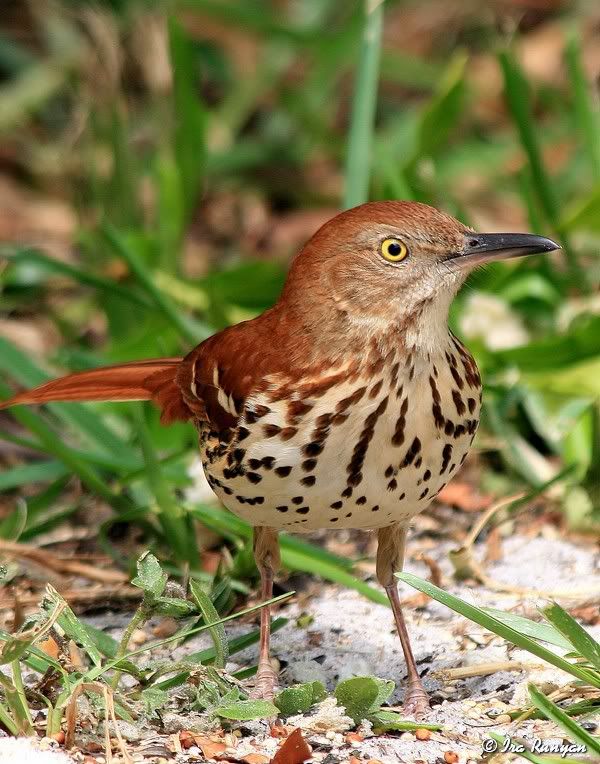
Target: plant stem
(139, 618)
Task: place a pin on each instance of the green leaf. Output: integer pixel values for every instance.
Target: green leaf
(298, 699)
(359, 696)
(25, 474)
(582, 642)
(497, 627)
(150, 576)
(542, 631)
(245, 710)
(390, 720)
(210, 615)
(557, 715)
(154, 699)
(71, 625)
(174, 607)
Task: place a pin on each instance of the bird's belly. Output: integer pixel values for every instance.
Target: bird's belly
(375, 462)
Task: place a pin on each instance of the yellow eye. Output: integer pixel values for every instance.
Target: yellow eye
(393, 250)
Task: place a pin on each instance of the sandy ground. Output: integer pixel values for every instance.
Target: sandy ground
(350, 636)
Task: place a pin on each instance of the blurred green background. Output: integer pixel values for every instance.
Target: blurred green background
(161, 161)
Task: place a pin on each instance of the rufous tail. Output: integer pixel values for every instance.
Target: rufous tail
(137, 381)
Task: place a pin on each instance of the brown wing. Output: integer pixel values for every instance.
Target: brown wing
(226, 368)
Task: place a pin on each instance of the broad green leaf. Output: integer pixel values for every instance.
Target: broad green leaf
(71, 625)
(174, 607)
(150, 576)
(298, 699)
(358, 696)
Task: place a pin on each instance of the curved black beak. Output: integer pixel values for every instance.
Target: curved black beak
(482, 248)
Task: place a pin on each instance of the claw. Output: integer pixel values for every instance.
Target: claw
(266, 683)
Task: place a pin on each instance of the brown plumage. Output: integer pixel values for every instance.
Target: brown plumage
(347, 404)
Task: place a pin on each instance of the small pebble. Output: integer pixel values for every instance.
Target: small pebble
(504, 719)
(139, 637)
(589, 726)
(423, 734)
(450, 757)
(59, 737)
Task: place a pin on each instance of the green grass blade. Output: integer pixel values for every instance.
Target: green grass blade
(184, 326)
(209, 614)
(188, 138)
(582, 642)
(586, 113)
(358, 161)
(558, 716)
(518, 99)
(541, 631)
(52, 266)
(171, 516)
(26, 474)
(482, 618)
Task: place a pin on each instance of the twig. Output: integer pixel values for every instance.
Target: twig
(58, 565)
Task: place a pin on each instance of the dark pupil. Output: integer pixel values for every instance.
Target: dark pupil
(394, 249)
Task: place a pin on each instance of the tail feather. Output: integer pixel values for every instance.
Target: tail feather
(137, 381)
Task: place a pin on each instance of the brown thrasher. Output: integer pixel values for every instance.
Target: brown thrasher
(349, 404)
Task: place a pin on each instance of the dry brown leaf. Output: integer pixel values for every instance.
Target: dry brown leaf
(50, 647)
(295, 750)
(210, 748)
(255, 758)
(464, 496)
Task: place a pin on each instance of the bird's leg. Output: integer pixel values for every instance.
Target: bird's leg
(266, 554)
(390, 558)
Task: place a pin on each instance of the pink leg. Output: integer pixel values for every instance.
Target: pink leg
(390, 558)
(266, 553)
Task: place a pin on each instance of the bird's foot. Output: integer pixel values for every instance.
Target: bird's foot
(416, 702)
(266, 683)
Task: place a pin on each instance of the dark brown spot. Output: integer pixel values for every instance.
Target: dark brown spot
(389, 472)
(374, 391)
(303, 510)
(254, 477)
(361, 500)
(446, 456)
(457, 378)
(349, 514)
(375, 508)
(412, 452)
(281, 509)
(402, 496)
(242, 432)
(313, 449)
(471, 404)
(337, 505)
(333, 519)
(424, 494)
(297, 409)
(270, 430)
(309, 464)
(449, 428)
(268, 462)
(392, 485)
(426, 475)
(238, 454)
(347, 492)
(283, 471)
(288, 432)
(297, 499)
(350, 400)
(458, 402)
(309, 480)
(254, 463)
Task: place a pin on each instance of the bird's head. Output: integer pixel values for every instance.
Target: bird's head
(386, 264)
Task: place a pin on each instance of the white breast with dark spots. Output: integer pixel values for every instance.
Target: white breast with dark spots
(368, 452)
